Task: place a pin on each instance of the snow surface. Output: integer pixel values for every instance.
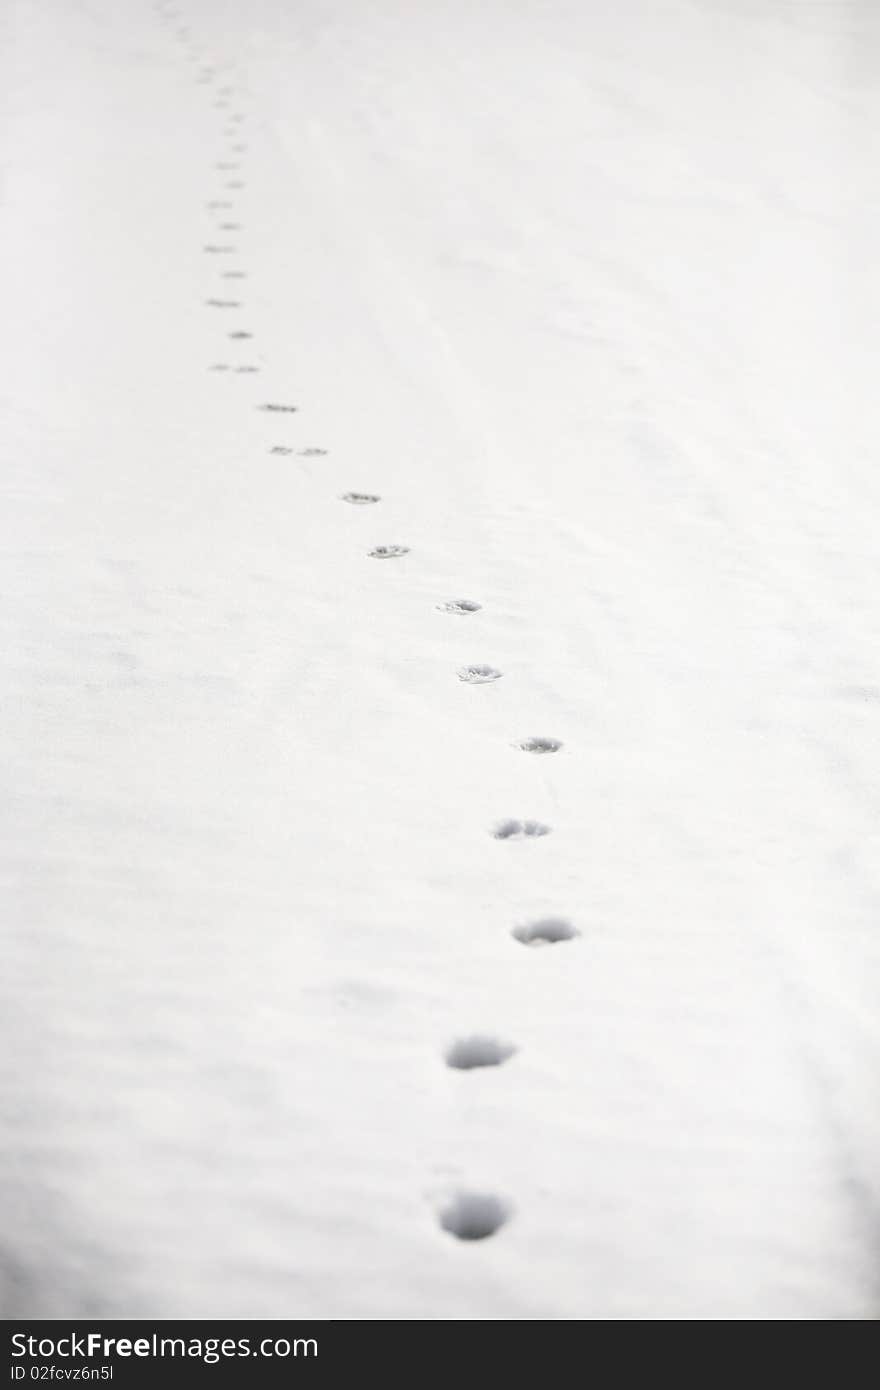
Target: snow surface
(585, 292)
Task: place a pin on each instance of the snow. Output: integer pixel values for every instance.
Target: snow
(585, 295)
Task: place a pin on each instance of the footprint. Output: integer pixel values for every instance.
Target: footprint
(478, 675)
(863, 694)
(223, 303)
(388, 552)
(539, 745)
(240, 333)
(474, 1215)
(283, 409)
(216, 204)
(459, 605)
(520, 830)
(547, 931)
(478, 1051)
(219, 367)
(220, 250)
(311, 453)
(229, 227)
(360, 499)
(280, 449)
(233, 275)
(247, 369)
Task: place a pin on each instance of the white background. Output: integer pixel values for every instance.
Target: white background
(587, 292)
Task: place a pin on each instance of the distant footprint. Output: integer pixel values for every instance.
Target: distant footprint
(247, 369)
(547, 931)
(474, 1215)
(863, 694)
(233, 275)
(229, 227)
(280, 409)
(478, 675)
(280, 449)
(217, 204)
(360, 499)
(388, 552)
(220, 250)
(520, 830)
(219, 367)
(465, 1054)
(223, 303)
(539, 745)
(311, 453)
(240, 333)
(459, 605)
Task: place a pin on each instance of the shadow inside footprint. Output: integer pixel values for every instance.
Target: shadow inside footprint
(547, 931)
(459, 605)
(360, 499)
(520, 830)
(539, 745)
(478, 675)
(474, 1215)
(388, 552)
(467, 1053)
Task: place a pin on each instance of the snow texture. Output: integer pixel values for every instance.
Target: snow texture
(581, 298)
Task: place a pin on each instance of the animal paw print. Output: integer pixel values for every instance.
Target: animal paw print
(539, 745)
(388, 552)
(478, 675)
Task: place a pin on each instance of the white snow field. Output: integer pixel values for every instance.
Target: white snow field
(585, 293)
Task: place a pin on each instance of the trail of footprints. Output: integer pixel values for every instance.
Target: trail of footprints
(468, 1215)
